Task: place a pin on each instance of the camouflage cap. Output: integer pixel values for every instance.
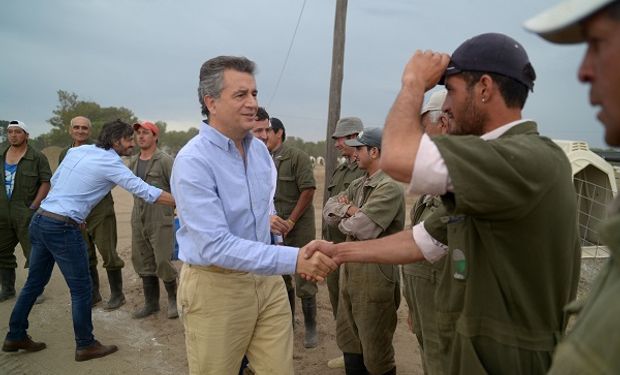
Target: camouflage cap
(347, 126)
(369, 137)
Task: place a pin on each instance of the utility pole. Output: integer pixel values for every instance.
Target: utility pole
(335, 90)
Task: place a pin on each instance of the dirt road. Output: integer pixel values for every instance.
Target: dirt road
(155, 345)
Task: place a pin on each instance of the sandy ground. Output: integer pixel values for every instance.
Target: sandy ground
(155, 345)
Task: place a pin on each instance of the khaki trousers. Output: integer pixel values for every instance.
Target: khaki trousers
(227, 314)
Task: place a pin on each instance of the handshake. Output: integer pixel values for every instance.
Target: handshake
(316, 260)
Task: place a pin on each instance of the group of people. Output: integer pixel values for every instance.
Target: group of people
(66, 224)
(492, 257)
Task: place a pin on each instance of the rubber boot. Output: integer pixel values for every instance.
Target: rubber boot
(151, 297)
(94, 277)
(117, 298)
(308, 306)
(291, 301)
(354, 364)
(171, 289)
(7, 279)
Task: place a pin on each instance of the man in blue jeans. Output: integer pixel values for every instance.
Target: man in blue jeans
(83, 178)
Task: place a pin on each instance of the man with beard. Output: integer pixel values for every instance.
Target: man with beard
(26, 174)
(592, 345)
(85, 176)
(509, 215)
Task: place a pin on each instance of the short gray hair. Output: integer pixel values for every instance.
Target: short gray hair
(212, 76)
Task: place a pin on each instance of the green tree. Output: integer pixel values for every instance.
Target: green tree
(70, 106)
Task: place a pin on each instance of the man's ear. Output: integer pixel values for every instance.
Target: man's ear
(210, 103)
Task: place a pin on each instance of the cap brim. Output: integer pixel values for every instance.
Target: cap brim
(353, 143)
(561, 23)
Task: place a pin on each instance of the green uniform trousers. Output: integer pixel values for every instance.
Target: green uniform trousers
(366, 321)
(419, 292)
(101, 233)
(151, 244)
(14, 230)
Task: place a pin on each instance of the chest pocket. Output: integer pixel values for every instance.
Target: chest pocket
(26, 183)
(155, 178)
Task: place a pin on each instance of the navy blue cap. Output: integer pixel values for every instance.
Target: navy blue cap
(492, 53)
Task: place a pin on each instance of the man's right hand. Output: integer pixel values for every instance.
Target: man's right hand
(315, 267)
(424, 69)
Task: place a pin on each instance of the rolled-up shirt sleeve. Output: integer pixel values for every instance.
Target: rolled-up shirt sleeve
(430, 173)
(360, 226)
(432, 249)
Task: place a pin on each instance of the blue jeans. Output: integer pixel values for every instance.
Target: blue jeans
(56, 241)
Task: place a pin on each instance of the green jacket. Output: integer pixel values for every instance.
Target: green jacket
(105, 207)
(342, 177)
(593, 345)
(511, 227)
(294, 175)
(421, 210)
(32, 170)
(158, 172)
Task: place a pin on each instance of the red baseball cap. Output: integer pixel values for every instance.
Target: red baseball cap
(147, 125)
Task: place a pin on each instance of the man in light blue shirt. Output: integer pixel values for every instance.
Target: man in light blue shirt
(83, 178)
(230, 300)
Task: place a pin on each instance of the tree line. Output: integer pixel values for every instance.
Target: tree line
(70, 106)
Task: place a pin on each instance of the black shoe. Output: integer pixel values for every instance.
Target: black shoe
(171, 289)
(26, 344)
(96, 350)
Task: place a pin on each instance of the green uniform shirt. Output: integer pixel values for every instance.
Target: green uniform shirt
(158, 171)
(514, 253)
(593, 345)
(421, 210)
(32, 170)
(104, 208)
(342, 177)
(294, 175)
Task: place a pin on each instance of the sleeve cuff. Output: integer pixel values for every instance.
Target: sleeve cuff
(432, 249)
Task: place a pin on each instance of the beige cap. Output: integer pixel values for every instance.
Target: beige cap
(561, 24)
(435, 102)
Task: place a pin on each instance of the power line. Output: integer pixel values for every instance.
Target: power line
(288, 53)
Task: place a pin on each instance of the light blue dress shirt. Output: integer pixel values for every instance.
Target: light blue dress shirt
(223, 205)
(85, 176)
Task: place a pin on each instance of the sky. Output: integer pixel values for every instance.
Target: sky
(146, 54)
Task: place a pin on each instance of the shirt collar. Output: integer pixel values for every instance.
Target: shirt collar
(220, 140)
(498, 132)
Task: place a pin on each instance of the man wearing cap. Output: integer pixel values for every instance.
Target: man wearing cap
(344, 174)
(592, 345)
(508, 225)
(100, 231)
(293, 204)
(420, 278)
(372, 206)
(152, 226)
(84, 177)
(26, 174)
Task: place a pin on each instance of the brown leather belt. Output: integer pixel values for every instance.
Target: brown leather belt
(215, 269)
(64, 219)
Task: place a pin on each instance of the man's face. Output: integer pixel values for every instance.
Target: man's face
(146, 139)
(124, 146)
(236, 107)
(16, 136)
(362, 156)
(346, 151)
(79, 130)
(274, 139)
(461, 107)
(434, 128)
(261, 129)
(601, 69)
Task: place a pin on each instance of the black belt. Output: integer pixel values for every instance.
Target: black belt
(64, 219)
